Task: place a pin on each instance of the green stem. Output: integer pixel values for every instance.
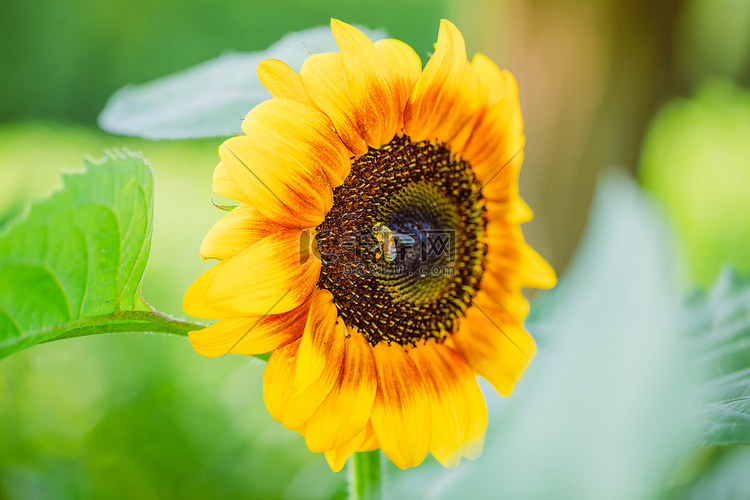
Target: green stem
(125, 322)
(365, 480)
(121, 322)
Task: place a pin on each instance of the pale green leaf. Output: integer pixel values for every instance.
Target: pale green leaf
(209, 99)
(723, 477)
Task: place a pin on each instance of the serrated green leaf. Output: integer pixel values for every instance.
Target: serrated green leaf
(74, 265)
(724, 345)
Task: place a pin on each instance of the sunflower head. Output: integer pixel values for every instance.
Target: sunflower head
(376, 252)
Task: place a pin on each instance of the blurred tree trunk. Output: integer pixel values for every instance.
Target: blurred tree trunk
(591, 75)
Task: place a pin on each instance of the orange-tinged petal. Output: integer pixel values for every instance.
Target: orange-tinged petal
(460, 119)
(265, 278)
(224, 185)
(281, 80)
(495, 144)
(285, 402)
(346, 411)
(285, 191)
(487, 79)
(237, 230)
(458, 141)
(370, 83)
(406, 65)
(497, 138)
(499, 178)
(495, 345)
(404, 62)
(318, 340)
(306, 135)
(364, 441)
(445, 97)
(253, 335)
(401, 412)
(497, 127)
(325, 83)
(457, 407)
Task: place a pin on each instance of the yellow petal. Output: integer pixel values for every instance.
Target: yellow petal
(281, 80)
(236, 231)
(492, 80)
(364, 441)
(505, 296)
(445, 437)
(306, 135)
(445, 96)
(271, 276)
(457, 408)
(370, 84)
(253, 335)
(195, 301)
(401, 412)
(285, 191)
(495, 345)
(537, 271)
(324, 81)
(513, 210)
(318, 340)
(224, 185)
(287, 404)
(346, 411)
(513, 261)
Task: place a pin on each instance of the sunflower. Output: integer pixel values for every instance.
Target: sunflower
(376, 252)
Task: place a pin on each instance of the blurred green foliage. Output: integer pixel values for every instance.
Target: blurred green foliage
(64, 58)
(715, 40)
(696, 161)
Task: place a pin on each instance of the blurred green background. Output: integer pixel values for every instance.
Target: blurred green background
(660, 89)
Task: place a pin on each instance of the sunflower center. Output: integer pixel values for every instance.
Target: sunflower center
(401, 247)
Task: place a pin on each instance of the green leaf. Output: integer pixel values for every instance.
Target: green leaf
(723, 318)
(74, 265)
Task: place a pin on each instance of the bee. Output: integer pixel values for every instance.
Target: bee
(387, 241)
